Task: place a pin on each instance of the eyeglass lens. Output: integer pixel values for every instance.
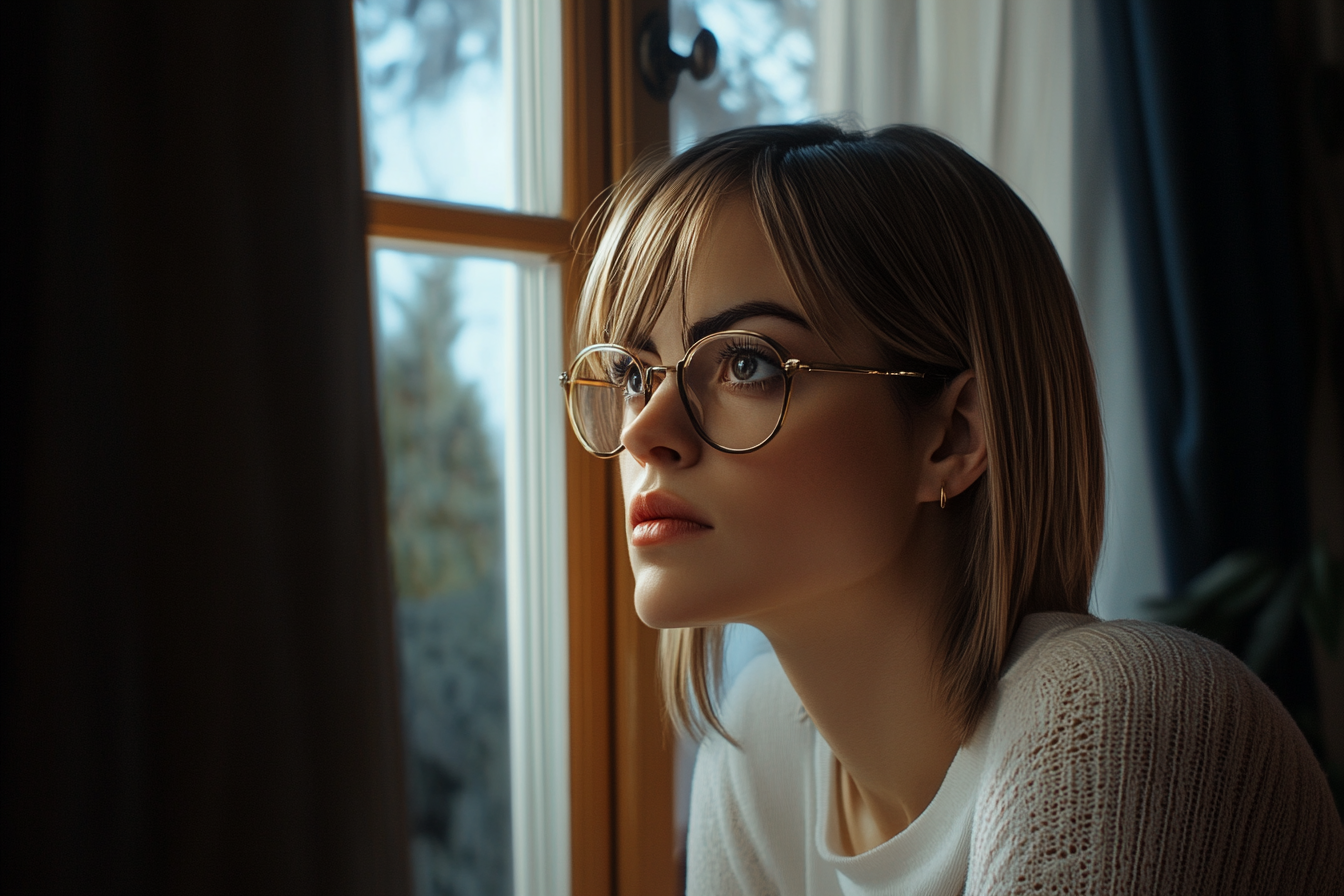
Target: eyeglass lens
(734, 384)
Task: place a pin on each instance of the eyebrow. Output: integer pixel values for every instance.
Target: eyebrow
(725, 320)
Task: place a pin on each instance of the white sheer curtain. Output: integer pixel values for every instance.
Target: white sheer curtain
(1018, 83)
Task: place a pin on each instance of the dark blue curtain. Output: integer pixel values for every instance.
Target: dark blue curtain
(1201, 156)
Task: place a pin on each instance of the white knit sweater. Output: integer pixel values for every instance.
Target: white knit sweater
(1115, 757)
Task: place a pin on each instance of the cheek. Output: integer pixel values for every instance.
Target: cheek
(840, 501)
(820, 508)
(630, 471)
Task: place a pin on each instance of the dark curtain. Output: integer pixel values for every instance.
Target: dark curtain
(1202, 166)
(199, 678)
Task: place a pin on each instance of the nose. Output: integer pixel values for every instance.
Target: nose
(662, 432)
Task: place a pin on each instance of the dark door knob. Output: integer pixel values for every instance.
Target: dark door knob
(660, 65)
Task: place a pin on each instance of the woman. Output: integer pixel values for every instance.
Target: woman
(879, 444)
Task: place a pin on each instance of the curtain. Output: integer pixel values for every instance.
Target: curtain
(1197, 122)
(199, 683)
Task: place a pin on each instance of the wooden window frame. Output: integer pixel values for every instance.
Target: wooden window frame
(621, 750)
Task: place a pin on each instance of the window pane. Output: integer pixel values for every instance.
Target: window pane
(764, 71)
(472, 438)
(461, 100)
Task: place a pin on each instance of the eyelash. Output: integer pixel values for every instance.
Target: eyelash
(735, 349)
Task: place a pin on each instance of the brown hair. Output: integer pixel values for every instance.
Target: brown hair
(905, 234)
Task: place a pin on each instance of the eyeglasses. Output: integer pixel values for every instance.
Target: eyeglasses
(735, 385)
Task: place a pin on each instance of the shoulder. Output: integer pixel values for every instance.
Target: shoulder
(1129, 682)
(1144, 751)
(749, 819)
(1086, 661)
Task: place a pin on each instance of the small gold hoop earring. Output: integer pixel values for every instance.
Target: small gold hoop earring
(942, 497)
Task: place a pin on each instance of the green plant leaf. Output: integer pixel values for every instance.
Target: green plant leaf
(1323, 601)
(1227, 574)
(1242, 602)
(1238, 573)
(1221, 602)
(1270, 630)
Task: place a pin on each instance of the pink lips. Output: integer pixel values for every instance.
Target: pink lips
(659, 518)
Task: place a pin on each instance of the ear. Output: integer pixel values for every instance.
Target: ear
(959, 453)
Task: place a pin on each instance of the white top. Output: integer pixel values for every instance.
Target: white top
(1114, 757)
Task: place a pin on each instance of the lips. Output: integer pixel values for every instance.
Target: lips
(659, 518)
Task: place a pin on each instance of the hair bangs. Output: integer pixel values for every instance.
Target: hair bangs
(650, 229)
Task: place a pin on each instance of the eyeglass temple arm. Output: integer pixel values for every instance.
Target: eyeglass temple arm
(567, 381)
(799, 367)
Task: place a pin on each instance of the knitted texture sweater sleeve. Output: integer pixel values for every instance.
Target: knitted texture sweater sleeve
(1138, 758)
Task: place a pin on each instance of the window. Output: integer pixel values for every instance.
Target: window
(534, 756)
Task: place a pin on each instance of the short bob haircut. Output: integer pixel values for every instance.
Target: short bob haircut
(901, 233)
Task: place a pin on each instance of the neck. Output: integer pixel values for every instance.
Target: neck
(866, 670)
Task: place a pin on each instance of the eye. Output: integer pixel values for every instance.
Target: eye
(632, 379)
(744, 367)
(620, 370)
(747, 365)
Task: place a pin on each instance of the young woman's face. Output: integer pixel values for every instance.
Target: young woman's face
(824, 510)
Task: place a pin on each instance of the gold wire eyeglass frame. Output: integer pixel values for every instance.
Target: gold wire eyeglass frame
(652, 376)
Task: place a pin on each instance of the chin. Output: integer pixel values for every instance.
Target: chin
(661, 602)
(659, 610)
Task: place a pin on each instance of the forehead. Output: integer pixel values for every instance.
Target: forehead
(730, 267)
(733, 261)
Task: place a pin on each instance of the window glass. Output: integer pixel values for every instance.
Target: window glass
(461, 100)
(472, 441)
(443, 439)
(764, 71)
